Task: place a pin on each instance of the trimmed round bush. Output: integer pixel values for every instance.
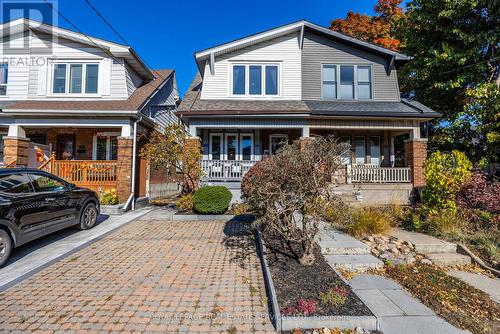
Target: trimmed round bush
(211, 200)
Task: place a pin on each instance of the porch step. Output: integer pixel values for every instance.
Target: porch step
(448, 259)
(334, 247)
(354, 262)
(424, 243)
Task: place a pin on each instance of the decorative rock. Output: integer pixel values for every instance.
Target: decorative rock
(426, 261)
(370, 238)
(326, 331)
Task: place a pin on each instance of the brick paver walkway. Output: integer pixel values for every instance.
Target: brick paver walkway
(151, 275)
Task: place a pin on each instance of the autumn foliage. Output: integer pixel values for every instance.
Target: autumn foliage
(374, 29)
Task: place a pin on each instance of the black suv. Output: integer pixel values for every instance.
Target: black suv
(34, 203)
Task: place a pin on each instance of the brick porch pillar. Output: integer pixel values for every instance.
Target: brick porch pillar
(15, 150)
(303, 141)
(415, 155)
(192, 144)
(124, 168)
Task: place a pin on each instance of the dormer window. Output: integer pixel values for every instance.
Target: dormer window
(346, 82)
(75, 78)
(255, 80)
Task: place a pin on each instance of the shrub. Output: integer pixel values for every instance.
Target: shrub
(445, 174)
(239, 209)
(291, 182)
(479, 194)
(109, 197)
(369, 220)
(334, 297)
(337, 213)
(185, 203)
(304, 307)
(211, 200)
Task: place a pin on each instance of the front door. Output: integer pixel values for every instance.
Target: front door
(66, 147)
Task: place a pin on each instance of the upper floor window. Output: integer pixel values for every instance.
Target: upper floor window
(4, 73)
(75, 78)
(255, 79)
(346, 82)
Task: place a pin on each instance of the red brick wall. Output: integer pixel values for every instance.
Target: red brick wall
(124, 168)
(415, 155)
(15, 149)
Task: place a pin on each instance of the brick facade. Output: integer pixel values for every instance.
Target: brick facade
(415, 155)
(124, 168)
(15, 150)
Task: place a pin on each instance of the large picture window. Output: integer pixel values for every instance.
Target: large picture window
(255, 80)
(75, 78)
(346, 82)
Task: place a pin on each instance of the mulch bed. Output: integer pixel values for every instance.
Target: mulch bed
(459, 303)
(294, 281)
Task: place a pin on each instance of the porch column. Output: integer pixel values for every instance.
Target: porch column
(124, 168)
(15, 146)
(415, 155)
(192, 145)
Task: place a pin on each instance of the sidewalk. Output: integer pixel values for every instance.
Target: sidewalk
(39, 254)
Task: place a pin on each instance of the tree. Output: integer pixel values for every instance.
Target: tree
(167, 151)
(374, 29)
(455, 45)
(296, 180)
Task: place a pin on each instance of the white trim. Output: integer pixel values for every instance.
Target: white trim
(262, 65)
(108, 136)
(275, 135)
(221, 145)
(68, 63)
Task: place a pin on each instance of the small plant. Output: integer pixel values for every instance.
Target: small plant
(334, 297)
(239, 209)
(369, 220)
(303, 307)
(109, 197)
(185, 203)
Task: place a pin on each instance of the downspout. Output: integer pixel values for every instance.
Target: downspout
(134, 152)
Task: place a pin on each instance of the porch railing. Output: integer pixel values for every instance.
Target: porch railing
(94, 174)
(377, 174)
(225, 170)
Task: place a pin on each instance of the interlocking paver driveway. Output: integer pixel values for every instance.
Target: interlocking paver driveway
(152, 275)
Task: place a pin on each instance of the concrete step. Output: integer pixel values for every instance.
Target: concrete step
(354, 262)
(334, 247)
(424, 243)
(448, 259)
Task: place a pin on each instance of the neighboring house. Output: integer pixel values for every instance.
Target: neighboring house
(82, 98)
(298, 81)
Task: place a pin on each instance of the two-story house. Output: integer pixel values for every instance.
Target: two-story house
(90, 101)
(298, 81)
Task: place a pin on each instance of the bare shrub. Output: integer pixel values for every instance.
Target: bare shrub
(287, 191)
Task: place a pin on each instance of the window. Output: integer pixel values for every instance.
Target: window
(238, 80)
(215, 146)
(255, 80)
(346, 155)
(364, 82)
(75, 78)
(347, 82)
(276, 142)
(15, 183)
(45, 183)
(375, 150)
(359, 149)
(4, 74)
(329, 88)
(231, 146)
(105, 146)
(246, 146)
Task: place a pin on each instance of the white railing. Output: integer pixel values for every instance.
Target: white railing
(225, 170)
(377, 174)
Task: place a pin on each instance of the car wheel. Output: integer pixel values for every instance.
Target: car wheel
(5, 247)
(88, 217)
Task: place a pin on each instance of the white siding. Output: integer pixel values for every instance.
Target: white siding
(18, 75)
(283, 49)
(133, 80)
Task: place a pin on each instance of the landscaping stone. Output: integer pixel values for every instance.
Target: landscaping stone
(448, 259)
(489, 285)
(354, 262)
(391, 249)
(378, 303)
(424, 243)
(417, 325)
(370, 282)
(408, 304)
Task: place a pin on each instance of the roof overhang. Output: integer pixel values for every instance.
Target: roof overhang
(300, 26)
(114, 49)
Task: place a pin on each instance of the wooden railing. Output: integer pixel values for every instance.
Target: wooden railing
(225, 170)
(377, 174)
(94, 174)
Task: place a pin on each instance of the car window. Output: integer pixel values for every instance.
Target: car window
(15, 183)
(44, 183)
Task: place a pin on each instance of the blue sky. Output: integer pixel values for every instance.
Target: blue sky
(165, 33)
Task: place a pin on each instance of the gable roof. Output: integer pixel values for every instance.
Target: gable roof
(301, 25)
(115, 49)
(135, 102)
